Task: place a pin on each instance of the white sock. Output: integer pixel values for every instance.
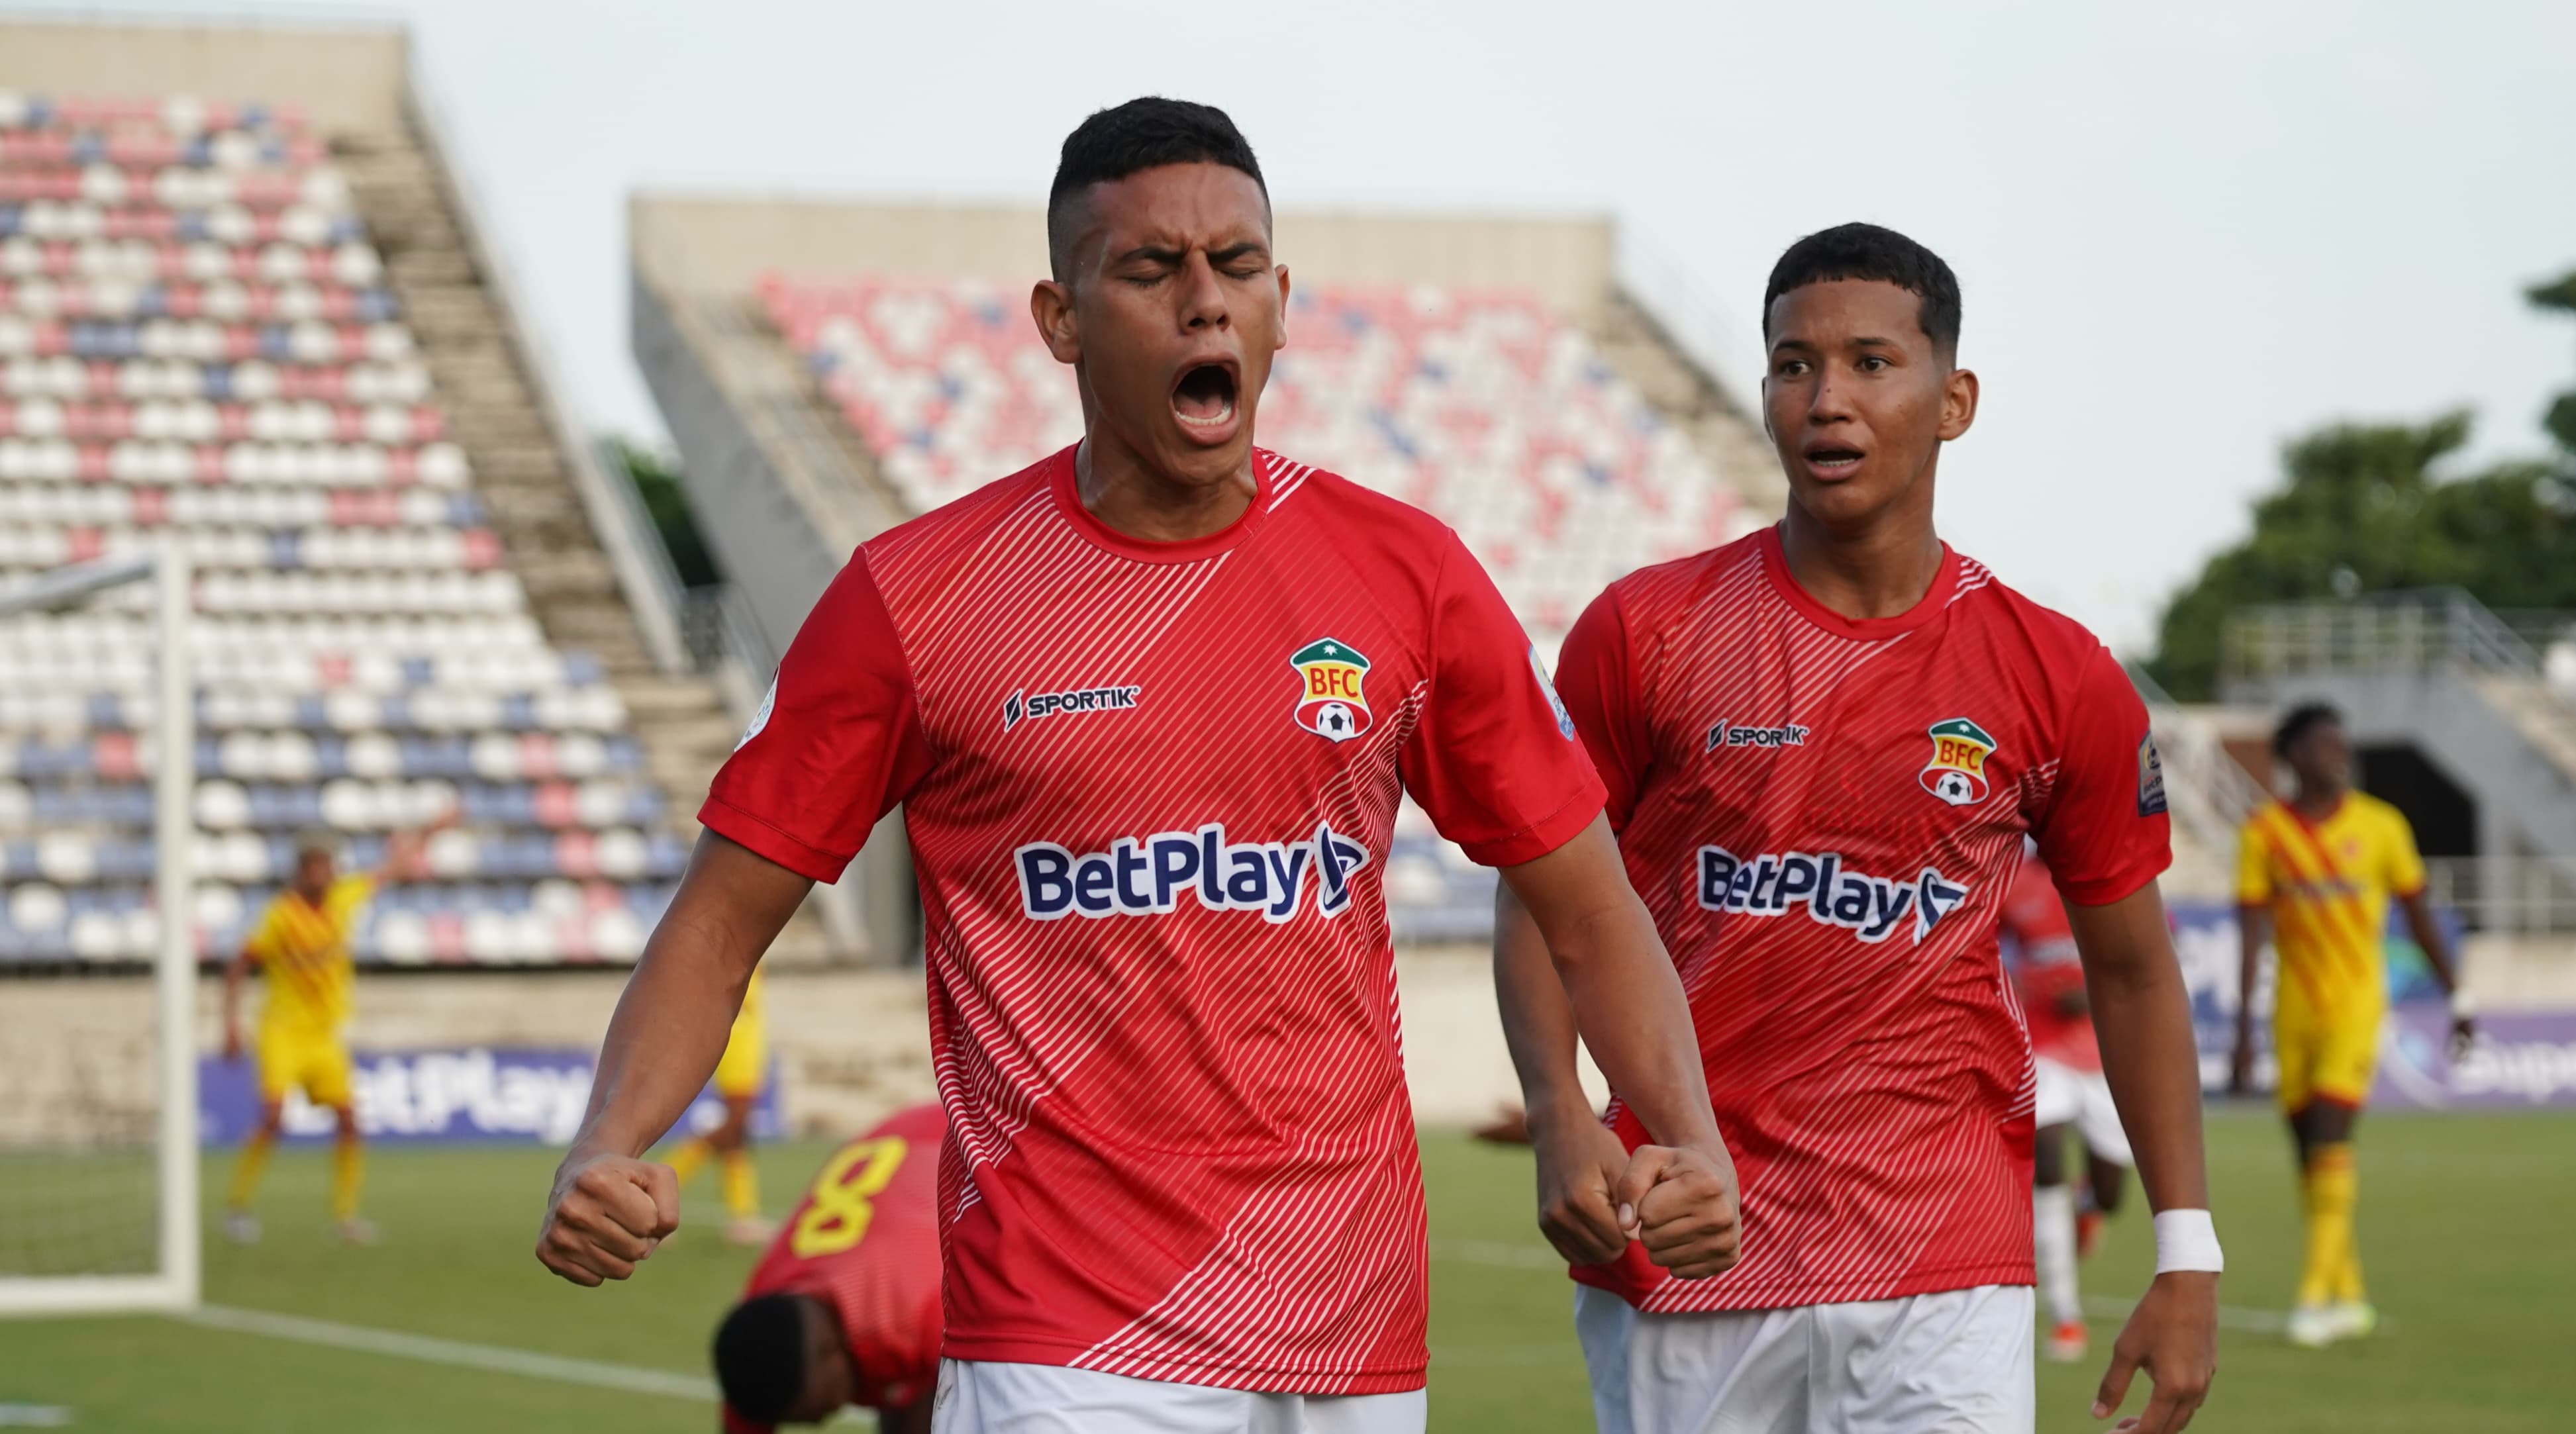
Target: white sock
(2052, 1213)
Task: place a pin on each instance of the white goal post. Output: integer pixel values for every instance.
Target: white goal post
(172, 1283)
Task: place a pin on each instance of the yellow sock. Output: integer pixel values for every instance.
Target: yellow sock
(2347, 1283)
(741, 1186)
(347, 1173)
(246, 1170)
(2330, 1189)
(689, 1159)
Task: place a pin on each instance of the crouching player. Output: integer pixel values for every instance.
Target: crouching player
(844, 1308)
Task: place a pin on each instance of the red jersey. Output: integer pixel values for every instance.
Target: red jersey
(2046, 968)
(1150, 788)
(1824, 816)
(865, 1240)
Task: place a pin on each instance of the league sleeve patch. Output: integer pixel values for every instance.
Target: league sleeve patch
(760, 718)
(2151, 778)
(1555, 704)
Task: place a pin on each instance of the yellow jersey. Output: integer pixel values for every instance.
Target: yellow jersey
(2328, 884)
(303, 950)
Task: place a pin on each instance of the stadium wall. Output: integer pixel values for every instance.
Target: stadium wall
(351, 77)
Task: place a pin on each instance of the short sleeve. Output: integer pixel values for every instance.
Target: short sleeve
(261, 943)
(1596, 678)
(2253, 865)
(2405, 864)
(836, 743)
(2105, 833)
(1494, 760)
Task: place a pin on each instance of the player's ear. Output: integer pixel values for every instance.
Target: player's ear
(1051, 307)
(1958, 403)
(1281, 341)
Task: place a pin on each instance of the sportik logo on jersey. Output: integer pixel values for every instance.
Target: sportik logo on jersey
(1772, 884)
(1143, 876)
(1330, 702)
(1770, 739)
(1020, 707)
(1957, 773)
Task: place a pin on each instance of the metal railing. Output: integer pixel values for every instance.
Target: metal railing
(2527, 896)
(1693, 320)
(2400, 631)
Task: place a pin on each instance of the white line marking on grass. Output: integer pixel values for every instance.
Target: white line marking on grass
(422, 1347)
(2111, 1309)
(35, 1416)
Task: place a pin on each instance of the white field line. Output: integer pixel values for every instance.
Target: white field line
(1502, 1254)
(428, 1350)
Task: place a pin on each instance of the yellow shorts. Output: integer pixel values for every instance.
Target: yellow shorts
(745, 1066)
(317, 1062)
(2325, 1055)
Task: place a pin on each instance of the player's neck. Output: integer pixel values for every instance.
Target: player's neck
(1880, 569)
(1120, 489)
(2319, 802)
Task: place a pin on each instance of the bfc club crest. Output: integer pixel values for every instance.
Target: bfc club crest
(1957, 774)
(1331, 702)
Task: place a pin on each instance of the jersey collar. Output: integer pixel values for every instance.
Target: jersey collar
(1775, 567)
(1068, 501)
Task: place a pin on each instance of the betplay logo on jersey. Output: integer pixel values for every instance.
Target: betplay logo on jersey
(1145, 876)
(1870, 907)
(1330, 702)
(1957, 774)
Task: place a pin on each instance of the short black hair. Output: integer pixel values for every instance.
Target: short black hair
(1141, 134)
(760, 1357)
(1868, 251)
(2297, 722)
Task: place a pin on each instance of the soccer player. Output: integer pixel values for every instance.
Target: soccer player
(844, 1307)
(1825, 745)
(740, 1073)
(301, 946)
(1149, 706)
(2072, 1098)
(2315, 874)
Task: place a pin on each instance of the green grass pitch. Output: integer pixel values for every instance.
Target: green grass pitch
(2465, 1226)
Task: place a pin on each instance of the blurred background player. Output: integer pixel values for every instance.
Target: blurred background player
(2049, 975)
(740, 1075)
(2315, 873)
(844, 1308)
(301, 945)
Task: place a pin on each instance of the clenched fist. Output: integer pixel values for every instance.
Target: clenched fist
(608, 1212)
(1679, 1201)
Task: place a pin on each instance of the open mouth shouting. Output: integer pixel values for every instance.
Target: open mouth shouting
(1204, 399)
(1832, 461)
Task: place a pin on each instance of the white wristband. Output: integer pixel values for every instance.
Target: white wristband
(2186, 1240)
(2463, 1005)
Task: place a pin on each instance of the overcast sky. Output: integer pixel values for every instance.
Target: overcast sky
(2185, 232)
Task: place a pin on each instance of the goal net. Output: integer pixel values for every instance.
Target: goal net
(98, 967)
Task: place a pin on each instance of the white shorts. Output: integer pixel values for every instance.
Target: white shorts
(1957, 1362)
(2068, 1096)
(981, 1397)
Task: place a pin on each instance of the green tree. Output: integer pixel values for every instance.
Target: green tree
(2370, 507)
(657, 482)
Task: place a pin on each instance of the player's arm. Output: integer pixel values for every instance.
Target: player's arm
(609, 1208)
(407, 851)
(2436, 946)
(2253, 928)
(1605, 974)
(1579, 1159)
(2142, 1017)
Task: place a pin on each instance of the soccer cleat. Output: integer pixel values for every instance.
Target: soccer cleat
(241, 1227)
(2354, 1319)
(748, 1230)
(2067, 1342)
(356, 1231)
(2088, 1233)
(2314, 1326)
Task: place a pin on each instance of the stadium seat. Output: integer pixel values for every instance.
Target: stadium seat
(197, 344)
